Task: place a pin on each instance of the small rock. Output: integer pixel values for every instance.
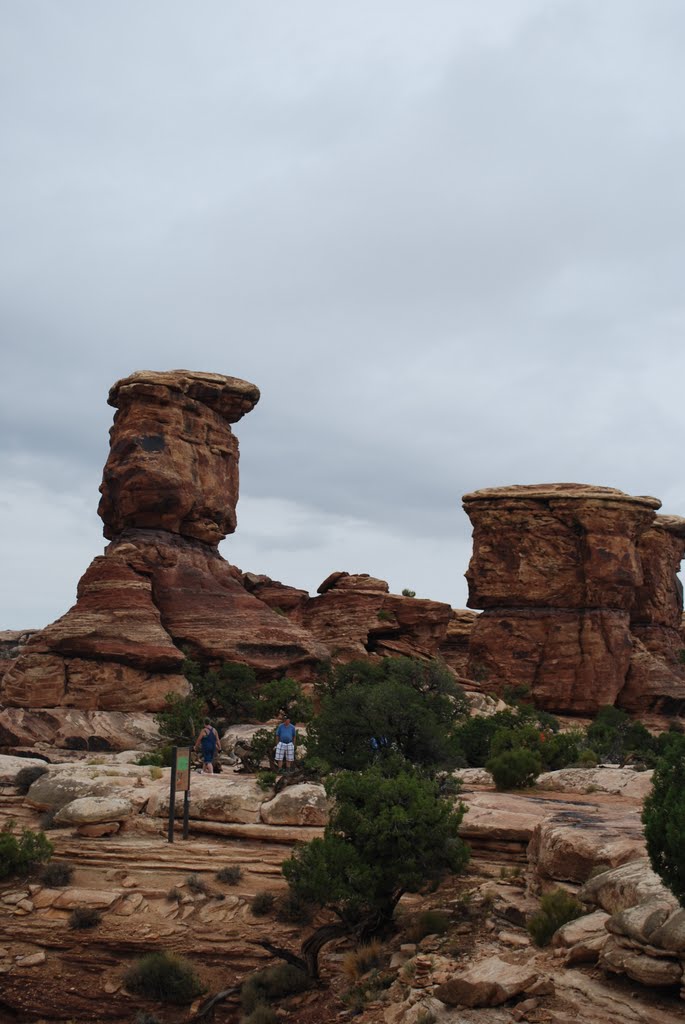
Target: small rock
(13, 898)
(25, 905)
(514, 938)
(31, 959)
(521, 1010)
(105, 828)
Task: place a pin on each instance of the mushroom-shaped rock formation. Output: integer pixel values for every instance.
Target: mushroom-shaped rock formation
(559, 570)
(169, 493)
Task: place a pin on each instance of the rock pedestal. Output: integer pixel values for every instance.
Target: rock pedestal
(556, 568)
(169, 494)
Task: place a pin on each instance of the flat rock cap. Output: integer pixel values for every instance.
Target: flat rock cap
(560, 492)
(230, 397)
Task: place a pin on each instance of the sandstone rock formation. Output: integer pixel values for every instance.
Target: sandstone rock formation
(169, 493)
(563, 571)
(355, 616)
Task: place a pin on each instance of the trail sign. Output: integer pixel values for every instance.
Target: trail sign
(180, 781)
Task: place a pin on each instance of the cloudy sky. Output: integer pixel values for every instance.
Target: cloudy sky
(445, 238)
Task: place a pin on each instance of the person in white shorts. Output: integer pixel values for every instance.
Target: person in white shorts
(285, 748)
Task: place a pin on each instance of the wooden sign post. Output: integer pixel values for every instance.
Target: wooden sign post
(180, 782)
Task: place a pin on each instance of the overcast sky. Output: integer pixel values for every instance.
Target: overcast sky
(444, 237)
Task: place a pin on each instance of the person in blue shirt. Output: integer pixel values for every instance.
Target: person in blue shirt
(285, 748)
(209, 742)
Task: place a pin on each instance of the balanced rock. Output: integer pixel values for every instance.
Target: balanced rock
(169, 494)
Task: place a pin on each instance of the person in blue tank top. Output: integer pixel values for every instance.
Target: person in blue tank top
(285, 748)
(208, 741)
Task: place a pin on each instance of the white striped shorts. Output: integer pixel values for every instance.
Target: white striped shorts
(285, 750)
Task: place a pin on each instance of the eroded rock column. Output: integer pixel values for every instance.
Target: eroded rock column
(555, 568)
(169, 494)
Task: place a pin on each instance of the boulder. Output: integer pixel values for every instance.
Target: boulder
(92, 810)
(620, 781)
(214, 798)
(570, 844)
(11, 766)
(489, 982)
(303, 804)
(625, 886)
(648, 970)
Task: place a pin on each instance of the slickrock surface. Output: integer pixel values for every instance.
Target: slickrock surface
(153, 895)
(558, 570)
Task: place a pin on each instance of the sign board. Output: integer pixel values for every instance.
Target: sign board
(182, 769)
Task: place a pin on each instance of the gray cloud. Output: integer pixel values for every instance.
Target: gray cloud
(445, 239)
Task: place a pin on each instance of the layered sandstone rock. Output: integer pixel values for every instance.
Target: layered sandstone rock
(356, 615)
(169, 493)
(558, 569)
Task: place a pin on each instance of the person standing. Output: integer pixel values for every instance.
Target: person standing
(285, 748)
(210, 744)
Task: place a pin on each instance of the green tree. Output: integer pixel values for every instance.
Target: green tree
(390, 832)
(663, 816)
(21, 855)
(414, 705)
(617, 738)
(180, 721)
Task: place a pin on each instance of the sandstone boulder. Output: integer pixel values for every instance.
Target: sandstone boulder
(648, 970)
(11, 766)
(620, 781)
(92, 810)
(571, 844)
(489, 982)
(584, 938)
(625, 886)
(303, 804)
(214, 798)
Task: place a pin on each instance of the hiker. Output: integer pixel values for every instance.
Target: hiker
(285, 748)
(210, 743)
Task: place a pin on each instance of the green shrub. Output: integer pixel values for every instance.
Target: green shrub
(293, 909)
(272, 983)
(164, 977)
(515, 769)
(262, 903)
(385, 616)
(197, 884)
(266, 780)
(84, 917)
(22, 855)
(181, 718)
(231, 875)
(556, 909)
(160, 758)
(389, 833)
(663, 816)
(261, 748)
(55, 875)
(617, 738)
(408, 593)
(27, 776)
